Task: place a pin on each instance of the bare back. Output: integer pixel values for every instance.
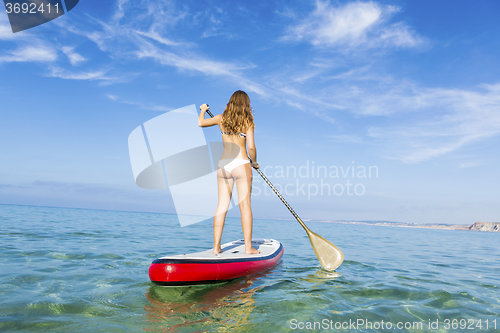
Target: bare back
(234, 146)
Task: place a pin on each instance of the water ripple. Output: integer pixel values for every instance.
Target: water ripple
(73, 270)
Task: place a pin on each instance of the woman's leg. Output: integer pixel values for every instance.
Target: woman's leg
(225, 188)
(243, 175)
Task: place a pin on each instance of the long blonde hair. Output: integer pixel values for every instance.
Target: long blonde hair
(237, 117)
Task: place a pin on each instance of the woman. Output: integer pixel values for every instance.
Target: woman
(237, 128)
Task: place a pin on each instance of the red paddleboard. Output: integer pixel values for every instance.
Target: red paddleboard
(206, 267)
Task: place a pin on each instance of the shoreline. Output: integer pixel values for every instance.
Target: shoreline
(477, 226)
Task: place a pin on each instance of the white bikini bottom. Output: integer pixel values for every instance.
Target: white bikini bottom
(230, 164)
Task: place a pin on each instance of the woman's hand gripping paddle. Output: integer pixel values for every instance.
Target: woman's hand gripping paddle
(329, 256)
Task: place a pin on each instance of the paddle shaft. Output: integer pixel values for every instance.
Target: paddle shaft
(275, 191)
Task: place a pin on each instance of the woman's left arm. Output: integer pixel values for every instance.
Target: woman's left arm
(202, 122)
(252, 151)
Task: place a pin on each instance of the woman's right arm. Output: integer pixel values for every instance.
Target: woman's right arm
(252, 151)
(202, 122)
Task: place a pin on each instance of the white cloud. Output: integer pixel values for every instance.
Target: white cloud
(157, 37)
(32, 48)
(125, 37)
(188, 61)
(120, 12)
(411, 123)
(138, 30)
(352, 25)
(89, 75)
(73, 57)
(211, 18)
(159, 15)
(445, 120)
(40, 53)
(112, 97)
(400, 35)
(139, 104)
(6, 31)
(185, 62)
(470, 164)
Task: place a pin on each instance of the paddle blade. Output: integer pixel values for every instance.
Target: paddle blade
(329, 256)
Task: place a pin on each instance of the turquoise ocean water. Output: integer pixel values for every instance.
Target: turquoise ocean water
(75, 270)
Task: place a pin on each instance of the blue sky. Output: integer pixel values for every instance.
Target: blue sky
(409, 88)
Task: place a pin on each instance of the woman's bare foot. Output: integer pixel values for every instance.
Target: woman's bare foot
(252, 251)
(214, 251)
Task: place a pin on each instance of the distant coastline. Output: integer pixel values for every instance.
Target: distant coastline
(478, 226)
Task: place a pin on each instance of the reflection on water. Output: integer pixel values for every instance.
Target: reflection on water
(322, 274)
(224, 305)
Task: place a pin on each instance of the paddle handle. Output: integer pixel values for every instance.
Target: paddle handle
(275, 190)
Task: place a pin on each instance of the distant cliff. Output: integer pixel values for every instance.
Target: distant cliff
(485, 226)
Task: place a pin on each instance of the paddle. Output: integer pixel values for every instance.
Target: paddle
(329, 256)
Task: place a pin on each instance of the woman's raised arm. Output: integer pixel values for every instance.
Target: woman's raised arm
(202, 122)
